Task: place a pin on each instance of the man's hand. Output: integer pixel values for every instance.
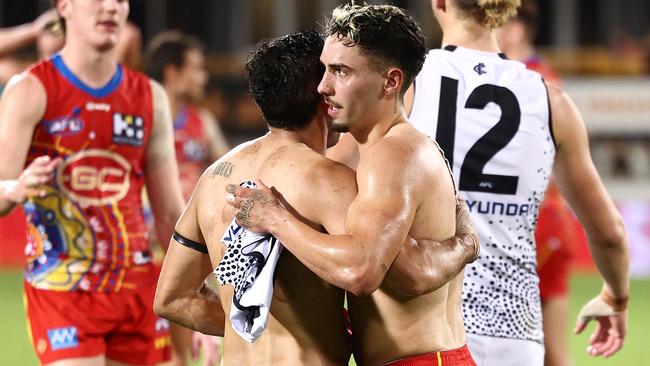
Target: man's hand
(29, 183)
(211, 347)
(611, 325)
(255, 207)
(466, 232)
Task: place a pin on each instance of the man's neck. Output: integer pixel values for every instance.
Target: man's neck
(470, 35)
(314, 136)
(93, 67)
(367, 134)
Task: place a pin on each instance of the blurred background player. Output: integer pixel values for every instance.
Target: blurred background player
(177, 61)
(558, 231)
(90, 133)
(503, 132)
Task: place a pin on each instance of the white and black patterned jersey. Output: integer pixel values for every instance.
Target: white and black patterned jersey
(491, 117)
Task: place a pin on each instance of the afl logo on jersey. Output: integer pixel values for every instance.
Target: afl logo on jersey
(94, 177)
(128, 129)
(65, 126)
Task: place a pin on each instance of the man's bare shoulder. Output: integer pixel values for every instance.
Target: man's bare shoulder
(558, 98)
(566, 120)
(24, 90)
(327, 176)
(25, 87)
(401, 148)
(310, 171)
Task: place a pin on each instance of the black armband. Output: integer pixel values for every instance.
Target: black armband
(190, 243)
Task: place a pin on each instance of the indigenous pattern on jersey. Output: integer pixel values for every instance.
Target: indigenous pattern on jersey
(191, 142)
(491, 117)
(88, 232)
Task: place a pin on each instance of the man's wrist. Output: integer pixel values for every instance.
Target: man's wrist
(617, 303)
(277, 218)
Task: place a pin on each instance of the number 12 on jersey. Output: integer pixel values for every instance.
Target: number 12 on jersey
(472, 177)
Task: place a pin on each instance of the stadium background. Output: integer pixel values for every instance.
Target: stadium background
(600, 47)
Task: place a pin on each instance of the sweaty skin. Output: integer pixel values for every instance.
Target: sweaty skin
(305, 325)
(404, 189)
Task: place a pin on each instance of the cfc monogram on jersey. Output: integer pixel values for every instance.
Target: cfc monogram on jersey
(491, 117)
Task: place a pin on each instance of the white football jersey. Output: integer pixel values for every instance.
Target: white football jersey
(491, 117)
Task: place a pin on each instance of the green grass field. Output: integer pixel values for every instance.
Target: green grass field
(15, 349)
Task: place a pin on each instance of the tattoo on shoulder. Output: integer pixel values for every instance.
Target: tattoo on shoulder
(223, 169)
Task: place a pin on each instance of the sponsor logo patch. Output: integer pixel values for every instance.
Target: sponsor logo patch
(162, 325)
(163, 342)
(102, 107)
(62, 338)
(128, 129)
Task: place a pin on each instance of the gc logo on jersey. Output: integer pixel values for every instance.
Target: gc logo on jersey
(95, 177)
(128, 129)
(62, 338)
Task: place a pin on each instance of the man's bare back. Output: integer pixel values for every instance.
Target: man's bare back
(305, 325)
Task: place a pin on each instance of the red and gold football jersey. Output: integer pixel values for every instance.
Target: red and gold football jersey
(88, 231)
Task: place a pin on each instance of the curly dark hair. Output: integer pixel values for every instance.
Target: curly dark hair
(383, 32)
(283, 75)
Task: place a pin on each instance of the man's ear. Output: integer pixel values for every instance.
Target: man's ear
(62, 8)
(394, 81)
(441, 4)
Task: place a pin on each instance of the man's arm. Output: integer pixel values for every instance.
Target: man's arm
(15, 37)
(161, 170)
(182, 295)
(377, 223)
(21, 108)
(424, 266)
(580, 184)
